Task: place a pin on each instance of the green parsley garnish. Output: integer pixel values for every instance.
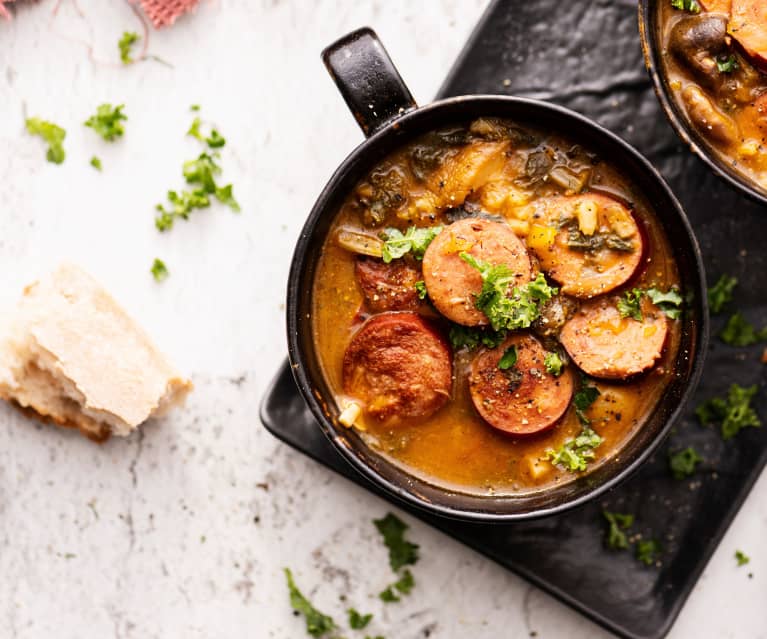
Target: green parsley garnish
(553, 363)
(96, 163)
(508, 359)
(420, 288)
(647, 551)
(376, 637)
(742, 558)
(215, 140)
(471, 337)
(107, 121)
(734, 412)
(683, 462)
(727, 65)
(403, 585)
(388, 595)
(194, 107)
(686, 5)
(358, 621)
(575, 453)
(508, 312)
(720, 294)
(317, 624)
(159, 270)
(669, 302)
(414, 240)
(401, 552)
(125, 43)
(182, 205)
(739, 332)
(583, 399)
(629, 304)
(53, 134)
(616, 538)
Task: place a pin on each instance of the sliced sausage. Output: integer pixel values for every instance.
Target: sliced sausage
(388, 287)
(523, 399)
(711, 122)
(398, 366)
(604, 344)
(590, 243)
(748, 25)
(717, 6)
(453, 284)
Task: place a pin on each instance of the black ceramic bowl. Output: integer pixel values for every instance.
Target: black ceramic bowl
(386, 112)
(652, 48)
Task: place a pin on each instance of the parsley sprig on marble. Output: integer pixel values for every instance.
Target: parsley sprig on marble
(53, 134)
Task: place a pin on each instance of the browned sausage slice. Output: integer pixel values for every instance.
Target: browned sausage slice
(524, 399)
(748, 25)
(388, 287)
(453, 284)
(397, 365)
(588, 243)
(604, 344)
(717, 6)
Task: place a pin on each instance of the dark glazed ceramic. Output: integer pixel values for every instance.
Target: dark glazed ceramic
(653, 54)
(390, 124)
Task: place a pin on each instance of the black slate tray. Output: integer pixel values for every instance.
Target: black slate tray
(586, 56)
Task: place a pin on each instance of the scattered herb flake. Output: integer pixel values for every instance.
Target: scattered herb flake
(358, 621)
(53, 134)
(669, 302)
(405, 583)
(96, 163)
(741, 558)
(471, 337)
(647, 551)
(194, 130)
(727, 64)
(317, 624)
(683, 462)
(583, 399)
(553, 364)
(159, 270)
(125, 43)
(194, 107)
(720, 294)
(388, 595)
(617, 522)
(107, 121)
(630, 304)
(401, 552)
(508, 359)
(739, 332)
(420, 288)
(734, 413)
(215, 140)
(414, 240)
(686, 5)
(575, 454)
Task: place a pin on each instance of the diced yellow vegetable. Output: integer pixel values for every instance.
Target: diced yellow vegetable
(538, 467)
(586, 211)
(541, 237)
(520, 227)
(349, 414)
(749, 148)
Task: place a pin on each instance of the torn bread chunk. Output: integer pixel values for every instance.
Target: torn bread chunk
(74, 357)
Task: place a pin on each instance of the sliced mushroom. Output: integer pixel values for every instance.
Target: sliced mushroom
(696, 41)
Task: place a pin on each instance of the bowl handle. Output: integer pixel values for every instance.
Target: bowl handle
(368, 80)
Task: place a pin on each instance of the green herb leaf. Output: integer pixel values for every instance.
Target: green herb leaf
(53, 134)
(376, 637)
(471, 338)
(194, 130)
(575, 454)
(720, 294)
(401, 552)
(215, 140)
(508, 359)
(686, 5)
(420, 287)
(181, 206)
(159, 270)
(96, 163)
(125, 43)
(669, 302)
(647, 551)
(508, 312)
(629, 304)
(727, 64)
(734, 412)
(414, 240)
(224, 195)
(683, 462)
(616, 538)
(358, 621)
(405, 583)
(388, 595)
(107, 121)
(741, 558)
(194, 107)
(553, 364)
(739, 332)
(583, 399)
(317, 624)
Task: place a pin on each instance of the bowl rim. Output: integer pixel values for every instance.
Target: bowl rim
(683, 129)
(303, 378)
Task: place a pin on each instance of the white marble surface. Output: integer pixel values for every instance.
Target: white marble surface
(174, 533)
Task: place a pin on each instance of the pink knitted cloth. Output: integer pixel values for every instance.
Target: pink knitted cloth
(163, 13)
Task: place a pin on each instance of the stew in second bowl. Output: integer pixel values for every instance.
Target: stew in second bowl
(495, 309)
